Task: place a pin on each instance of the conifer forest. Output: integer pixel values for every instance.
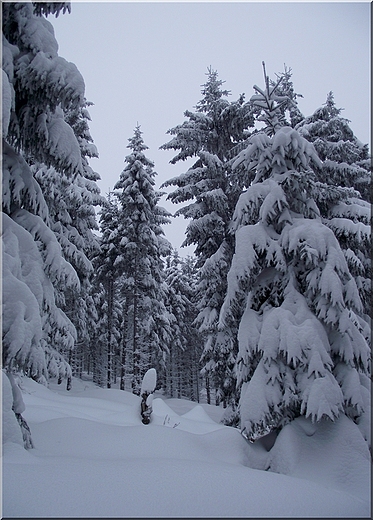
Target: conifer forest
(269, 318)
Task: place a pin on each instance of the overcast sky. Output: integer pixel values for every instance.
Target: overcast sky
(145, 62)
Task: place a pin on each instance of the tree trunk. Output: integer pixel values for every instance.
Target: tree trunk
(191, 381)
(123, 361)
(196, 371)
(208, 395)
(178, 374)
(171, 375)
(136, 357)
(109, 330)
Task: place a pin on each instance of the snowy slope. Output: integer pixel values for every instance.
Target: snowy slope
(94, 458)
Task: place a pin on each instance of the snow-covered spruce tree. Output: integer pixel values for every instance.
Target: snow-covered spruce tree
(107, 282)
(98, 354)
(140, 262)
(209, 135)
(346, 165)
(71, 204)
(346, 160)
(303, 341)
(195, 343)
(181, 367)
(38, 87)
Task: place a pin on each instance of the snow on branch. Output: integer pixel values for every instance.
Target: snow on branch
(19, 186)
(55, 265)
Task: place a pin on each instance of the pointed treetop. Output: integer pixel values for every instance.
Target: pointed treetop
(266, 78)
(211, 90)
(333, 111)
(330, 99)
(286, 88)
(270, 104)
(136, 143)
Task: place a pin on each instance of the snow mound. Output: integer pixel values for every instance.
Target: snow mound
(195, 421)
(302, 448)
(198, 414)
(162, 413)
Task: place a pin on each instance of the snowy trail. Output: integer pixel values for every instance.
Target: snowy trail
(93, 458)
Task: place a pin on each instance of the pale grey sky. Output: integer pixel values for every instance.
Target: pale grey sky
(145, 62)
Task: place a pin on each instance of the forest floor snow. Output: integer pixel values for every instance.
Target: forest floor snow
(93, 457)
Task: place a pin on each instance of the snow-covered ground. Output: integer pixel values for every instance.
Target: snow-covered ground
(94, 458)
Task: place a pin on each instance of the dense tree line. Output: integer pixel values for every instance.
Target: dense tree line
(270, 315)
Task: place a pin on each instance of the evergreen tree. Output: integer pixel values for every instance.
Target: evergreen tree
(107, 284)
(346, 161)
(98, 351)
(39, 88)
(71, 205)
(220, 346)
(346, 165)
(303, 340)
(210, 134)
(142, 247)
(192, 355)
(182, 368)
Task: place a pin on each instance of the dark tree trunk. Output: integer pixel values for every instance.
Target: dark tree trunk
(110, 291)
(208, 394)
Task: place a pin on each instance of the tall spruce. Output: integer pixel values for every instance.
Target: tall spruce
(37, 332)
(210, 134)
(347, 207)
(107, 286)
(303, 340)
(142, 248)
(71, 204)
(346, 160)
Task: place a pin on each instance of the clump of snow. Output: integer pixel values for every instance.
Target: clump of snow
(149, 381)
(7, 103)
(95, 458)
(62, 144)
(10, 427)
(21, 290)
(18, 404)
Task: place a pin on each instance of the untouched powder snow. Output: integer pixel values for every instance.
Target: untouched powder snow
(94, 458)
